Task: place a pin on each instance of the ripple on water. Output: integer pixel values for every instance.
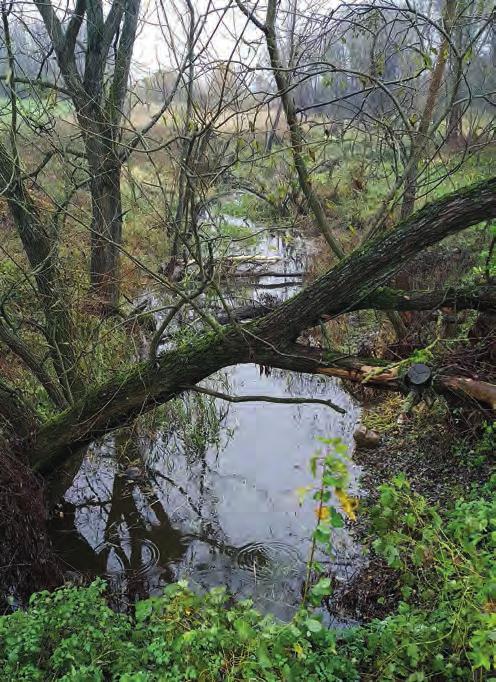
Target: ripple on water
(118, 565)
(269, 559)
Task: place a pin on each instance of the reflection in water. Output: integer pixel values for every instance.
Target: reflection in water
(210, 499)
(231, 519)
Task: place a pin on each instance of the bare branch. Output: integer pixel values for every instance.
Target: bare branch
(263, 398)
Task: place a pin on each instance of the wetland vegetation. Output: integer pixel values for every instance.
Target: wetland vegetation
(247, 340)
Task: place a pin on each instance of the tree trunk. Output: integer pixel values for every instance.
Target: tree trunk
(106, 224)
(40, 245)
(420, 138)
(295, 132)
(98, 96)
(267, 341)
(454, 127)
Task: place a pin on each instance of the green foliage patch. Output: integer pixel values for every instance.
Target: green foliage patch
(443, 629)
(73, 635)
(445, 625)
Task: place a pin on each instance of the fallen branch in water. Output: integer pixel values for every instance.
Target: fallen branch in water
(271, 285)
(264, 398)
(244, 312)
(255, 274)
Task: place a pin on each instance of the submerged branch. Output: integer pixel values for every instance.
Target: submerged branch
(264, 398)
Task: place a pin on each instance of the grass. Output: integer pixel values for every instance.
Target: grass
(39, 110)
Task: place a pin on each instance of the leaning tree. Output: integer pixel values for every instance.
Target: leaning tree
(359, 281)
(56, 393)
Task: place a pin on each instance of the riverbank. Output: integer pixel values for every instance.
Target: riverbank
(442, 459)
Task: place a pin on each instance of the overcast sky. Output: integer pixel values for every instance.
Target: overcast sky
(225, 29)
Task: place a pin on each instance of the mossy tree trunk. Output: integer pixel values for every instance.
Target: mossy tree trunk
(269, 340)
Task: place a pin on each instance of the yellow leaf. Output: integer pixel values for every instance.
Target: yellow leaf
(301, 493)
(348, 504)
(298, 649)
(322, 513)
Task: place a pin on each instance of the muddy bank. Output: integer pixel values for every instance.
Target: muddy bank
(433, 452)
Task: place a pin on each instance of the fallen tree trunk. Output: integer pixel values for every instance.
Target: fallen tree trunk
(378, 374)
(266, 341)
(460, 298)
(465, 387)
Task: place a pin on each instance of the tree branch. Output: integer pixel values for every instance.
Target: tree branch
(37, 82)
(63, 49)
(123, 60)
(74, 26)
(461, 298)
(269, 340)
(263, 398)
(385, 298)
(18, 347)
(296, 135)
(250, 14)
(40, 246)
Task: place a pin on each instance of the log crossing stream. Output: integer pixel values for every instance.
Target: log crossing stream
(209, 495)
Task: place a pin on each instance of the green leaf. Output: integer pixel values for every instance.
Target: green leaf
(244, 630)
(263, 657)
(313, 625)
(336, 519)
(322, 533)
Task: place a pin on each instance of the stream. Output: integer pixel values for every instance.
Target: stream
(207, 492)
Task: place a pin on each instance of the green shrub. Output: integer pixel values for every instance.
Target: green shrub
(446, 625)
(443, 629)
(73, 635)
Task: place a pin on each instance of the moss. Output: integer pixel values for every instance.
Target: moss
(383, 417)
(54, 421)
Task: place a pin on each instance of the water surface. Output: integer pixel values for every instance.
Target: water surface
(210, 495)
